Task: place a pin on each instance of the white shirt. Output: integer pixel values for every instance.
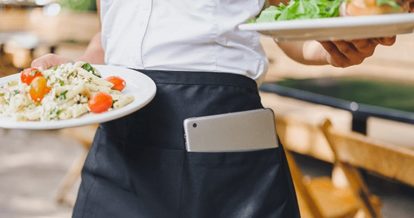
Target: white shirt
(184, 35)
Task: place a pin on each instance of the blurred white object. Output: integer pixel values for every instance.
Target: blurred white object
(52, 9)
(43, 2)
(26, 3)
(24, 40)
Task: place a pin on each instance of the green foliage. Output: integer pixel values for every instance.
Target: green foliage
(387, 94)
(79, 5)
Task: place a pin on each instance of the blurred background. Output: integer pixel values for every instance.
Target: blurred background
(349, 133)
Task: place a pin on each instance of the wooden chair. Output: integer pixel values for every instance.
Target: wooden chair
(357, 150)
(340, 143)
(6, 62)
(329, 197)
(85, 136)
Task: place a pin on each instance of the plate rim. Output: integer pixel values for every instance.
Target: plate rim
(339, 22)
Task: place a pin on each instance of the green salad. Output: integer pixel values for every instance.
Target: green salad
(311, 9)
(301, 9)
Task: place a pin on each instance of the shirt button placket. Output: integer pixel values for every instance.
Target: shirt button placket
(144, 13)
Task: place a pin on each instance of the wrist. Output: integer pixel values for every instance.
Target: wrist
(82, 58)
(92, 58)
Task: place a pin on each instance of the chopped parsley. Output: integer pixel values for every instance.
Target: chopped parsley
(89, 68)
(58, 112)
(62, 95)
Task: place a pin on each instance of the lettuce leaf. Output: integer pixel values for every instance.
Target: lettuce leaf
(270, 14)
(301, 9)
(391, 3)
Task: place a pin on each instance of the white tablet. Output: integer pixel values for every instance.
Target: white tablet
(231, 132)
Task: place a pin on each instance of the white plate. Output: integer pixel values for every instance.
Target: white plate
(338, 28)
(137, 84)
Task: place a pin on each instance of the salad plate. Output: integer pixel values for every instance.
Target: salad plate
(336, 28)
(138, 86)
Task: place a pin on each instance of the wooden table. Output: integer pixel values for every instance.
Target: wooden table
(49, 32)
(66, 26)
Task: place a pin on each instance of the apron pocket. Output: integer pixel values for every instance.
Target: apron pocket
(219, 159)
(234, 184)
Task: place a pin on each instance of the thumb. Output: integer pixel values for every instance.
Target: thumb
(49, 60)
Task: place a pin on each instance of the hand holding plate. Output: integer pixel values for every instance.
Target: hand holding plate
(348, 53)
(49, 60)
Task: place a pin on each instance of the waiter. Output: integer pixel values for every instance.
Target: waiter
(203, 65)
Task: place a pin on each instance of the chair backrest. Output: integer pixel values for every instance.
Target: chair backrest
(353, 150)
(388, 160)
(369, 203)
(297, 175)
(303, 136)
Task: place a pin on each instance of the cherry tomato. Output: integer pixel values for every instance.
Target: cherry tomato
(28, 74)
(100, 102)
(119, 83)
(38, 89)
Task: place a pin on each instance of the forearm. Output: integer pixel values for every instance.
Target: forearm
(94, 53)
(306, 52)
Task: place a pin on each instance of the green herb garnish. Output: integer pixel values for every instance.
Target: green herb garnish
(58, 112)
(62, 95)
(89, 68)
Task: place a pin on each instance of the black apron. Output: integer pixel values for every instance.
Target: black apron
(138, 165)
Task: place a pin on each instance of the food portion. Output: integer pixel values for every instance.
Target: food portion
(62, 92)
(311, 9)
(370, 7)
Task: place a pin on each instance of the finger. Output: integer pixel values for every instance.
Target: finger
(47, 61)
(43, 62)
(387, 41)
(334, 56)
(350, 52)
(365, 46)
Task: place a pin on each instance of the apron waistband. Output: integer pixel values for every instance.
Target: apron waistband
(200, 78)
